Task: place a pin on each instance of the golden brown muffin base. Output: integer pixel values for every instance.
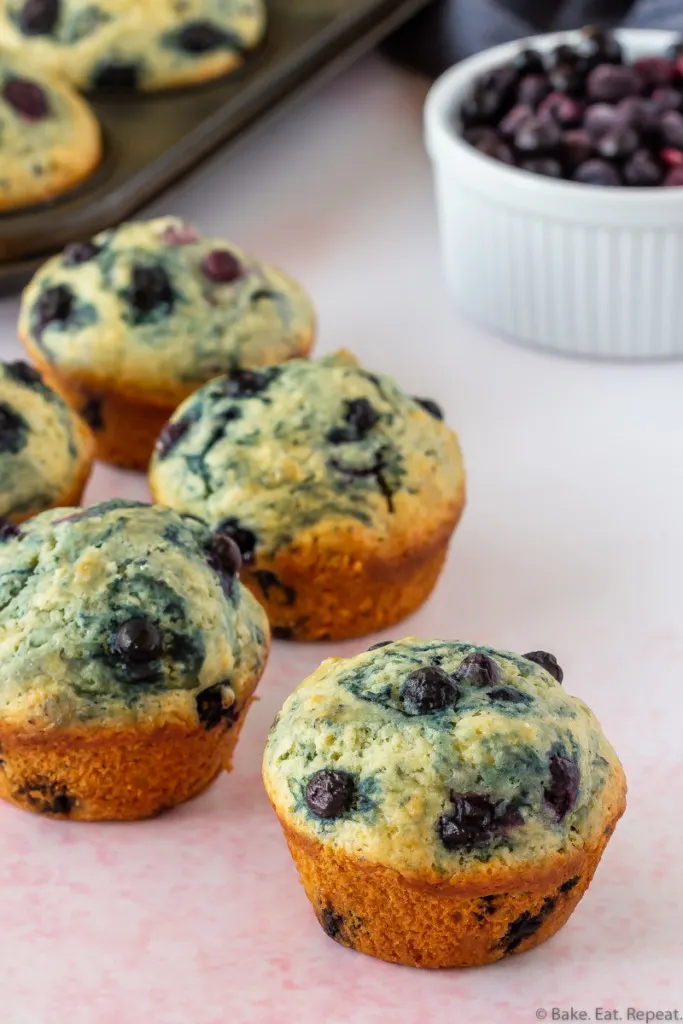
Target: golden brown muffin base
(131, 423)
(323, 594)
(379, 912)
(112, 773)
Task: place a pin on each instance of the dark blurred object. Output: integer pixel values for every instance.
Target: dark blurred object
(449, 30)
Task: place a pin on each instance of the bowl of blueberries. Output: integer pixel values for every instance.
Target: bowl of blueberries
(558, 166)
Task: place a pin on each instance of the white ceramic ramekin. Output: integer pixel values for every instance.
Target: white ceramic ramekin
(577, 268)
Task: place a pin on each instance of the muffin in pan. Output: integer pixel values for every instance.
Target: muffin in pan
(50, 139)
(106, 45)
(341, 491)
(46, 451)
(446, 805)
(129, 654)
(130, 324)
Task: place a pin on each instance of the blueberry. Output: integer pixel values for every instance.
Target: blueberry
(598, 46)
(600, 118)
(496, 149)
(202, 37)
(91, 412)
(224, 558)
(526, 925)
(532, 90)
(671, 157)
(361, 416)
(469, 823)
(671, 127)
(330, 793)
(46, 796)
(576, 147)
(514, 120)
(477, 670)
(609, 83)
(272, 585)
(150, 290)
(173, 432)
(564, 54)
(655, 72)
(597, 172)
(138, 643)
(39, 17)
(642, 170)
(117, 77)
(667, 99)
(211, 710)
(491, 97)
(13, 430)
(618, 143)
(528, 62)
(674, 178)
(26, 98)
(537, 136)
(80, 252)
(246, 383)
(53, 307)
(380, 644)
(568, 78)
(427, 690)
(545, 165)
(221, 266)
(430, 406)
(561, 793)
(563, 109)
(23, 373)
(8, 531)
(508, 695)
(480, 133)
(546, 661)
(639, 113)
(244, 538)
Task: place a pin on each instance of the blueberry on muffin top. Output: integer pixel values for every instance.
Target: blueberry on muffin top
(123, 612)
(429, 756)
(275, 453)
(43, 445)
(153, 310)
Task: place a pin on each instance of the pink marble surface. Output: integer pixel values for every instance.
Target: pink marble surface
(572, 541)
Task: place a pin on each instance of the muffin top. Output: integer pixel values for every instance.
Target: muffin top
(120, 44)
(123, 612)
(433, 757)
(153, 310)
(48, 134)
(44, 448)
(272, 455)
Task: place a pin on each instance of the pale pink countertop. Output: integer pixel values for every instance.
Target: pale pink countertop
(572, 541)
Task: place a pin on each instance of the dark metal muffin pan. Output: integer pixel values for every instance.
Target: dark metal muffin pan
(152, 140)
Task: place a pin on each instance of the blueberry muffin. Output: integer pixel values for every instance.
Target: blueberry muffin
(46, 451)
(129, 653)
(341, 491)
(123, 45)
(446, 805)
(50, 141)
(128, 325)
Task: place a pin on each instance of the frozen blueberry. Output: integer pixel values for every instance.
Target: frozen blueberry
(568, 77)
(640, 113)
(8, 531)
(330, 793)
(618, 143)
(598, 46)
(246, 383)
(674, 178)
(597, 172)
(642, 170)
(427, 690)
(609, 83)
(202, 37)
(117, 77)
(221, 266)
(469, 823)
(13, 430)
(576, 148)
(211, 710)
(528, 62)
(537, 136)
(560, 795)
(477, 670)
(491, 96)
(430, 406)
(80, 252)
(173, 432)
(138, 643)
(244, 538)
(667, 99)
(671, 127)
(532, 90)
(600, 118)
(545, 165)
(27, 98)
(563, 109)
(225, 558)
(655, 72)
(496, 149)
(671, 157)
(150, 290)
(39, 17)
(546, 661)
(514, 120)
(380, 644)
(23, 373)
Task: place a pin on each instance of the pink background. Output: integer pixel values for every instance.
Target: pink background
(572, 541)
